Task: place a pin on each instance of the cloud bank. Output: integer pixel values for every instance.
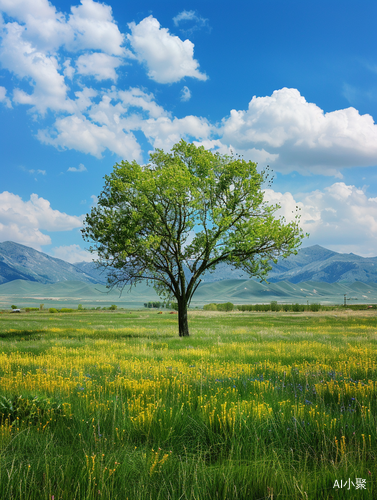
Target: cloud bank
(58, 59)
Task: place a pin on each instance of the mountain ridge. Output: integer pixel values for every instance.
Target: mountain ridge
(313, 263)
(21, 262)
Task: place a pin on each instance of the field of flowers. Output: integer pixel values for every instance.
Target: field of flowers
(114, 405)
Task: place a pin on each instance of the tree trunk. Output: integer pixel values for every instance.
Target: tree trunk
(182, 318)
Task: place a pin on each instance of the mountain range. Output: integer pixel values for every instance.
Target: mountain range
(22, 262)
(314, 263)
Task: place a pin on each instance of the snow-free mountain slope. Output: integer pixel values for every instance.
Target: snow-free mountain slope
(313, 263)
(22, 262)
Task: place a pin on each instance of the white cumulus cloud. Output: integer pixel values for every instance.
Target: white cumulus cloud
(340, 217)
(100, 66)
(24, 221)
(46, 28)
(41, 70)
(165, 132)
(301, 134)
(4, 98)
(95, 29)
(33, 42)
(111, 123)
(168, 58)
(94, 199)
(72, 254)
(80, 168)
(81, 134)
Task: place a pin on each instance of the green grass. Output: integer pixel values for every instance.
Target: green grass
(114, 405)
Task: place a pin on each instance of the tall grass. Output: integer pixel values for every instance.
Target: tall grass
(114, 405)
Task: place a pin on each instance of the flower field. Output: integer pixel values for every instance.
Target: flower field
(114, 405)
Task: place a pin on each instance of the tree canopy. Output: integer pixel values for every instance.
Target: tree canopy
(183, 213)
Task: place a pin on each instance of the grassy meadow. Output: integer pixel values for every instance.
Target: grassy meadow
(114, 405)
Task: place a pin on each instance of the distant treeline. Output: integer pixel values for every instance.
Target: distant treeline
(161, 305)
(53, 310)
(227, 306)
(274, 306)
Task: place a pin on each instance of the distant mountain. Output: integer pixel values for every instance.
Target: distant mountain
(313, 263)
(22, 262)
(92, 270)
(222, 272)
(8, 273)
(316, 263)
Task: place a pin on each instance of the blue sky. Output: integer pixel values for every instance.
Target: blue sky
(85, 84)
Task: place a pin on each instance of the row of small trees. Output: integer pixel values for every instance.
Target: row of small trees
(113, 307)
(272, 306)
(227, 306)
(161, 305)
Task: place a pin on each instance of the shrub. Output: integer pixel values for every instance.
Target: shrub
(113, 307)
(314, 307)
(227, 306)
(262, 307)
(246, 307)
(210, 307)
(66, 310)
(52, 310)
(14, 307)
(79, 307)
(297, 307)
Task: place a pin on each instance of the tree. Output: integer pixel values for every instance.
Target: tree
(182, 214)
